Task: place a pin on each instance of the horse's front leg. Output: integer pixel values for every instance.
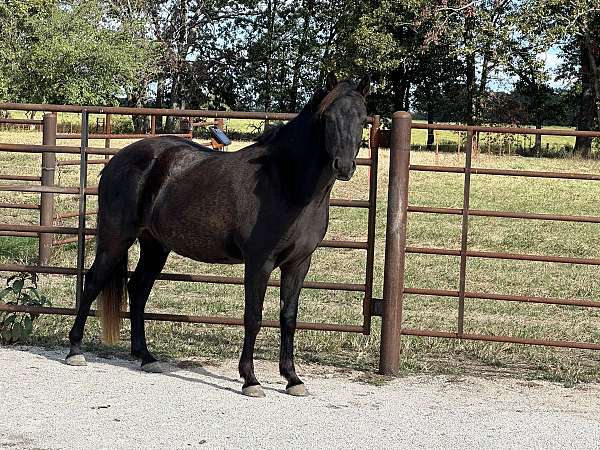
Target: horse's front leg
(292, 278)
(255, 282)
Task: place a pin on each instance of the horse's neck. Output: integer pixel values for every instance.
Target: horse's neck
(302, 161)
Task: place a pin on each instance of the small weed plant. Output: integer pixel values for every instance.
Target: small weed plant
(20, 290)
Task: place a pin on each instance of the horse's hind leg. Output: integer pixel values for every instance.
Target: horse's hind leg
(292, 278)
(255, 283)
(152, 260)
(106, 262)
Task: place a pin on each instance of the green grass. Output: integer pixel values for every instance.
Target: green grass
(420, 355)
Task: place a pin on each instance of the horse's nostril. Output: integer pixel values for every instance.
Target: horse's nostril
(336, 164)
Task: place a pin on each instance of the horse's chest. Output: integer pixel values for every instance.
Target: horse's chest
(303, 236)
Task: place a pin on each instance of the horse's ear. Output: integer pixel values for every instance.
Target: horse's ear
(331, 81)
(364, 85)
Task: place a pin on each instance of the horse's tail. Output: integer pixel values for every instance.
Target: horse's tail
(111, 302)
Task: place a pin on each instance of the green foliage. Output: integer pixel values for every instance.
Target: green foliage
(68, 53)
(444, 60)
(21, 290)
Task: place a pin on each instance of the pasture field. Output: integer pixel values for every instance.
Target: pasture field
(420, 355)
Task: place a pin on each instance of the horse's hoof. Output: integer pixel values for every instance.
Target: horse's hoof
(297, 390)
(254, 391)
(153, 367)
(75, 360)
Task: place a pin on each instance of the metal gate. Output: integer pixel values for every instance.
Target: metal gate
(47, 190)
(399, 141)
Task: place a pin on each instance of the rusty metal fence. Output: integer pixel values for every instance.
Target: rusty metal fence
(49, 149)
(399, 141)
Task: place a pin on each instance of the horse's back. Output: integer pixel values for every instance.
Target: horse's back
(132, 176)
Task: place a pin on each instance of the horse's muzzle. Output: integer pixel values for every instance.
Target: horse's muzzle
(343, 170)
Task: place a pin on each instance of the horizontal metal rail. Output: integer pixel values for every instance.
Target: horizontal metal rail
(151, 111)
(46, 189)
(76, 162)
(18, 206)
(31, 148)
(70, 240)
(42, 228)
(497, 255)
(26, 148)
(358, 245)
(21, 121)
(18, 234)
(75, 136)
(505, 214)
(164, 317)
(508, 339)
(349, 203)
(504, 130)
(69, 215)
(508, 172)
(20, 177)
(505, 297)
(217, 279)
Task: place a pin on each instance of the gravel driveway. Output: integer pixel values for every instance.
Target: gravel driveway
(111, 404)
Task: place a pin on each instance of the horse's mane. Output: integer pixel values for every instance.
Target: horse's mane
(269, 134)
(319, 102)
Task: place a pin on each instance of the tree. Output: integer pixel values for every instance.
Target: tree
(573, 25)
(68, 53)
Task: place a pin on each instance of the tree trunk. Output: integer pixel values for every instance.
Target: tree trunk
(470, 68)
(430, 136)
(537, 147)
(326, 53)
(182, 47)
(485, 69)
(271, 13)
(406, 96)
(585, 116)
(591, 46)
(302, 48)
(160, 93)
(400, 86)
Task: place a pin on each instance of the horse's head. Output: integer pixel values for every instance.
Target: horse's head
(343, 113)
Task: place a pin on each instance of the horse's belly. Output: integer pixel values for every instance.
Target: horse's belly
(200, 242)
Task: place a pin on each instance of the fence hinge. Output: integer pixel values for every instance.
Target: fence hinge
(377, 307)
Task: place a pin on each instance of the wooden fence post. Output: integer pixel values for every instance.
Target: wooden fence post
(395, 244)
(47, 198)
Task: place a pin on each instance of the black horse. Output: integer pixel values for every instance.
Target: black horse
(266, 206)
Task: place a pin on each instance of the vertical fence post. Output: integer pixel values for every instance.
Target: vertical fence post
(465, 232)
(373, 155)
(82, 207)
(395, 245)
(47, 198)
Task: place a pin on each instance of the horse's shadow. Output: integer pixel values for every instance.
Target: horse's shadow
(204, 376)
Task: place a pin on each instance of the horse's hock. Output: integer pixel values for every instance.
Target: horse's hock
(398, 139)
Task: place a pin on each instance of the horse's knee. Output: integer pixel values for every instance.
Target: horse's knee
(252, 324)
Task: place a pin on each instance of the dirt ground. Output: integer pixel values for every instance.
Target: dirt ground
(111, 404)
